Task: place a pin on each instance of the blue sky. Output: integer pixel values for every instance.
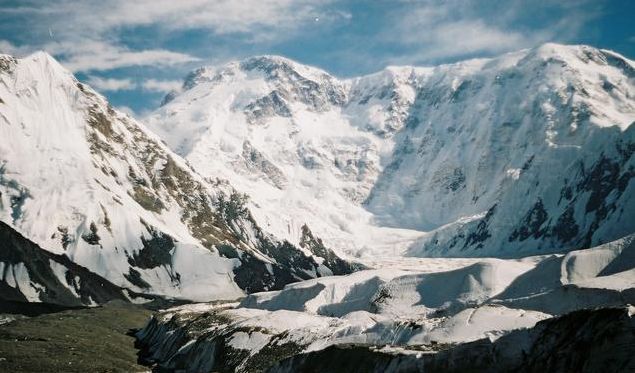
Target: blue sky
(136, 51)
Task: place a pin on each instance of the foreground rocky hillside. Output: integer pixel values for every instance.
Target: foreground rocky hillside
(431, 309)
(105, 203)
(582, 341)
(95, 339)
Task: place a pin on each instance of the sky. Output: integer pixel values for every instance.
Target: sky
(135, 51)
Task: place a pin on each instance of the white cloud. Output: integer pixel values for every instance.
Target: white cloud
(93, 55)
(110, 84)
(163, 86)
(219, 16)
(127, 110)
(466, 37)
(7, 47)
(86, 35)
(98, 55)
(449, 29)
(150, 85)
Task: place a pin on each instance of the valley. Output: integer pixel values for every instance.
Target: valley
(85, 340)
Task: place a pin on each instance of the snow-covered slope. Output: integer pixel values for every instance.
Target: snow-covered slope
(530, 152)
(84, 181)
(276, 129)
(422, 310)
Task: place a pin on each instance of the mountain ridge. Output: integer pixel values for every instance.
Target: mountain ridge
(377, 144)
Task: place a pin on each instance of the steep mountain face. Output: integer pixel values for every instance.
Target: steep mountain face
(530, 152)
(92, 187)
(275, 130)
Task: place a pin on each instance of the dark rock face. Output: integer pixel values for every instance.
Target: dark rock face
(456, 181)
(531, 224)
(566, 228)
(78, 287)
(258, 163)
(273, 104)
(478, 236)
(7, 63)
(155, 251)
(18, 193)
(601, 340)
(288, 264)
(317, 95)
(315, 245)
(92, 238)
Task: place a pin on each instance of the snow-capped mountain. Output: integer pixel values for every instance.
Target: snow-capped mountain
(527, 153)
(275, 129)
(96, 190)
(245, 180)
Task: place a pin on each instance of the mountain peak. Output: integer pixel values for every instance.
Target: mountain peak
(38, 67)
(41, 55)
(269, 59)
(274, 64)
(43, 58)
(574, 54)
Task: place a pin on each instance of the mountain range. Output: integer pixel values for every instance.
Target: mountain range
(528, 153)
(263, 172)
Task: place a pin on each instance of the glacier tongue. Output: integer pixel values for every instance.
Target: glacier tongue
(527, 153)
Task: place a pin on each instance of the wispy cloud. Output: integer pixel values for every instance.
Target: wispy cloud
(87, 35)
(110, 84)
(91, 55)
(465, 37)
(98, 55)
(219, 16)
(7, 47)
(442, 29)
(162, 86)
(151, 85)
